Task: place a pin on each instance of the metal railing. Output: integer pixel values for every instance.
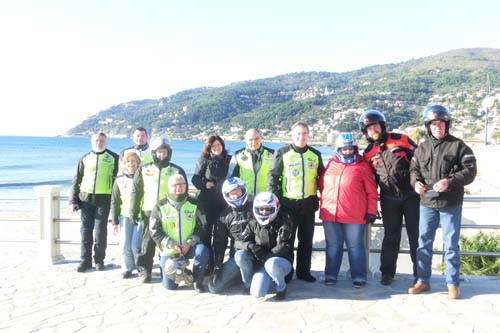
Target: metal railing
(50, 220)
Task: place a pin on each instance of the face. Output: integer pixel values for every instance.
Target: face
(253, 140)
(161, 153)
(140, 138)
(235, 194)
(374, 131)
(216, 148)
(300, 136)
(178, 186)
(347, 151)
(131, 165)
(98, 143)
(438, 129)
(265, 211)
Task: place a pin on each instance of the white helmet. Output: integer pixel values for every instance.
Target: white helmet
(265, 207)
(158, 143)
(231, 184)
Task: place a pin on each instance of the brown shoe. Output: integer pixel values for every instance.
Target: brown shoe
(419, 288)
(453, 291)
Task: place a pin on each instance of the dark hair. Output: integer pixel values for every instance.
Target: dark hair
(207, 146)
(141, 129)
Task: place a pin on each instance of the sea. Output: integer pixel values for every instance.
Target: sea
(26, 162)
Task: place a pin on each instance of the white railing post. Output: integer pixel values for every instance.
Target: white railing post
(49, 211)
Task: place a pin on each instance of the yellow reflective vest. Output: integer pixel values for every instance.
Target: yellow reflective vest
(178, 224)
(98, 172)
(255, 180)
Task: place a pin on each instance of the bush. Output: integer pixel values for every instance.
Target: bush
(480, 265)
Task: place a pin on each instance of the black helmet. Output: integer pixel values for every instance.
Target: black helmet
(436, 112)
(371, 117)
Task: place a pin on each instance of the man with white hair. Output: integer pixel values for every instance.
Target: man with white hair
(91, 194)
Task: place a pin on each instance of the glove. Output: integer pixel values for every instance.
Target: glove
(258, 251)
(217, 276)
(370, 218)
(74, 208)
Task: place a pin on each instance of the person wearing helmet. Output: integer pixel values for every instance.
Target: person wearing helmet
(149, 186)
(208, 177)
(230, 224)
(267, 253)
(348, 202)
(293, 178)
(390, 154)
(441, 167)
(252, 163)
(90, 193)
(177, 226)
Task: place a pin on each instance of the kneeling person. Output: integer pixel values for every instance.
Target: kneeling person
(231, 224)
(178, 224)
(267, 254)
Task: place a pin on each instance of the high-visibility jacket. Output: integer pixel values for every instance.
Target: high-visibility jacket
(255, 180)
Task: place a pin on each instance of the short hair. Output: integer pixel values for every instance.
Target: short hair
(174, 178)
(253, 130)
(141, 129)
(207, 146)
(130, 154)
(99, 134)
(302, 124)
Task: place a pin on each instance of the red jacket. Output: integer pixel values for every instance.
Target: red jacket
(348, 192)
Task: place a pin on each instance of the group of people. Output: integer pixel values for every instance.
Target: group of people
(252, 207)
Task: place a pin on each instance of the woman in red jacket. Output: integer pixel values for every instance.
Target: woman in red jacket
(348, 202)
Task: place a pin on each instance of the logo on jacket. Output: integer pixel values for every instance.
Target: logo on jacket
(189, 215)
(311, 165)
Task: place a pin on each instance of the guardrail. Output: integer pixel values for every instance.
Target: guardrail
(49, 209)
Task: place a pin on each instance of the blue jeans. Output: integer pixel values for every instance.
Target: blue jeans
(200, 253)
(130, 242)
(231, 276)
(450, 219)
(245, 261)
(94, 218)
(354, 237)
(275, 269)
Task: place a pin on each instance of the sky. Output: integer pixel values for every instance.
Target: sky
(62, 61)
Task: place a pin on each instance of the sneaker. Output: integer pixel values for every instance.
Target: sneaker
(280, 295)
(145, 278)
(419, 288)
(386, 280)
(100, 266)
(453, 291)
(306, 277)
(359, 284)
(83, 266)
(126, 274)
(330, 282)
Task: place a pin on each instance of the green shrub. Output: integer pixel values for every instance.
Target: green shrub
(480, 265)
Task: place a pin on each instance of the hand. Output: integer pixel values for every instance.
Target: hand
(440, 186)
(370, 218)
(258, 251)
(74, 207)
(178, 248)
(185, 248)
(115, 229)
(419, 187)
(210, 185)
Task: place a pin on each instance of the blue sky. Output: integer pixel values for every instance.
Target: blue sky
(63, 60)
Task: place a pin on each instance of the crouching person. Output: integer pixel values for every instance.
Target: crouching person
(177, 227)
(268, 254)
(230, 225)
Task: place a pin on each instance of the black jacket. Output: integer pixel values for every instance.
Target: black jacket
(211, 169)
(273, 240)
(230, 224)
(448, 158)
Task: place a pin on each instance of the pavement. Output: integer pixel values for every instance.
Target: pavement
(39, 297)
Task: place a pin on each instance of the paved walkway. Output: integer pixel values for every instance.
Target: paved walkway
(35, 297)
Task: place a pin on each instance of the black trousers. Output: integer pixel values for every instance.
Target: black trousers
(145, 257)
(394, 209)
(94, 218)
(304, 230)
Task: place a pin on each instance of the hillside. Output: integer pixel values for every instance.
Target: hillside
(329, 101)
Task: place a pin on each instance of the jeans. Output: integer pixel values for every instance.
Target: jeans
(130, 242)
(275, 269)
(246, 262)
(200, 253)
(450, 219)
(231, 276)
(94, 218)
(354, 237)
(393, 211)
